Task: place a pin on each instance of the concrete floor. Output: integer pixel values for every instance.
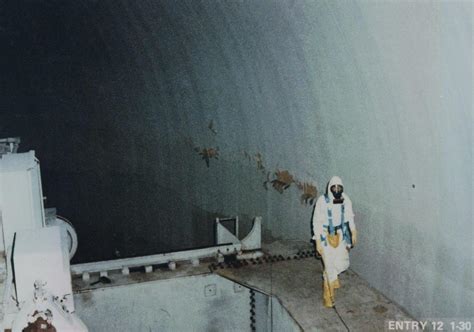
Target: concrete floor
(297, 283)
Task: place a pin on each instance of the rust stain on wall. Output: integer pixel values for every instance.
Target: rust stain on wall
(310, 192)
(283, 181)
(208, 154)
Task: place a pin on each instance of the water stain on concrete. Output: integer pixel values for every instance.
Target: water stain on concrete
(380, 309)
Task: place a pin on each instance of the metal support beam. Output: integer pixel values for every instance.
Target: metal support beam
(188, 255)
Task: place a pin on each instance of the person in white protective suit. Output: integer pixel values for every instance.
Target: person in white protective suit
(334, 233)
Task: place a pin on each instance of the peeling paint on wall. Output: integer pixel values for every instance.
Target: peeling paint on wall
(281, 180)
(259, 160)
(212, 127)
(208, 154)
(310, 192)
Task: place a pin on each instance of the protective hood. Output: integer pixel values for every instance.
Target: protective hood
(334, 181)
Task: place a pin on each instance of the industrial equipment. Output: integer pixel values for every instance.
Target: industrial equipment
(36, 246)
(35, 278)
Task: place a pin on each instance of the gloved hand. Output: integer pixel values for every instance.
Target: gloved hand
(319, 247)
(354, 237)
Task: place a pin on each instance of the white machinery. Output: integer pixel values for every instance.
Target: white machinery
(36, 246)
(35, 278)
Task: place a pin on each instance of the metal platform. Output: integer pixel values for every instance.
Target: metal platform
(290, 273)
(293, 275)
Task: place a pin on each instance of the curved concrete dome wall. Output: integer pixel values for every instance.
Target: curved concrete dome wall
(378, 93)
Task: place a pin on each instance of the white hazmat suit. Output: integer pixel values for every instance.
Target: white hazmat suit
(334, 232)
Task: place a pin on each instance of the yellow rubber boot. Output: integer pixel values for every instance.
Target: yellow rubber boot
(328, 295)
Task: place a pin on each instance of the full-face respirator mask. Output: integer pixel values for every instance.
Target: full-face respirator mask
(337, 191)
